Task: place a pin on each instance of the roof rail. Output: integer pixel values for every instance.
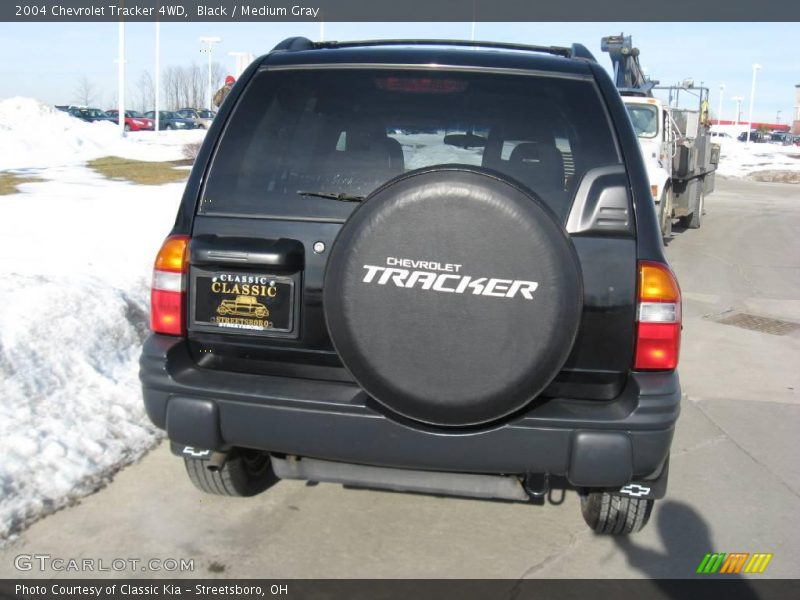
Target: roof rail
(581, 51)
(300, 43)
(294, 43)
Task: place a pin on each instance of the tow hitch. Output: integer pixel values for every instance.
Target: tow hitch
(537, 484)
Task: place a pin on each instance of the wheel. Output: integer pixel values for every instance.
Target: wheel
(245, 473)
(616, 515)
(694, 220)
(665, 215)
(127, 127)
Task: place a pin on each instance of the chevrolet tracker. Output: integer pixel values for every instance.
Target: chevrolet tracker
(442, 282)
(431, 266)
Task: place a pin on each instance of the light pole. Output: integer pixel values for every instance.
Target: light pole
(778, 118)
(210, 41)
(738, 100)
(121, 78)
(756, 68)
(719, 112)
(158, 77)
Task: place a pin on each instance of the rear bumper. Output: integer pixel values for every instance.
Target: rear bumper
(591, 443)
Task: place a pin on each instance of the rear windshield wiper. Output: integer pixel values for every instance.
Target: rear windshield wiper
(330, 195)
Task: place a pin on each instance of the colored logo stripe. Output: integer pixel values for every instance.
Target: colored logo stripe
(733, 563)
(758, 562)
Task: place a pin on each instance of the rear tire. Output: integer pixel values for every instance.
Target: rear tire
(245, 473)
(616, 515)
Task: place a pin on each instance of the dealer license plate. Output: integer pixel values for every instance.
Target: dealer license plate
(243, 302)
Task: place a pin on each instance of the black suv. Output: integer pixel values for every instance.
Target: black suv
(459, 275)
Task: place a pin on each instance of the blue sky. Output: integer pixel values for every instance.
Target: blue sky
(45, 60)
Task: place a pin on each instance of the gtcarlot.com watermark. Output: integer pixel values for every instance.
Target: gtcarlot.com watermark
(49, 563)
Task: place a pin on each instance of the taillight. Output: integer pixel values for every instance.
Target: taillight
(658, 316)
(169, 287)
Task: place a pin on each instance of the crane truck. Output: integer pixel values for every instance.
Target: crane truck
(673, 136)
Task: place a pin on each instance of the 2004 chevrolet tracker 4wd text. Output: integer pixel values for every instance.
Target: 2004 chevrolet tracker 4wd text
(457, 276)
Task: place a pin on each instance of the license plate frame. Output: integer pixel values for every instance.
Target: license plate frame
(236, 302)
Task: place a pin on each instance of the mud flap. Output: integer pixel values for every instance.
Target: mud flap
(654, 489)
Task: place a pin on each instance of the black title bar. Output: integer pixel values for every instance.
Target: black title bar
(397, 10)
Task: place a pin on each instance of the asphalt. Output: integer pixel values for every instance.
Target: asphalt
(734, 479)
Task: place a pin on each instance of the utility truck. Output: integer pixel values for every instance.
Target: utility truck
(674, 136)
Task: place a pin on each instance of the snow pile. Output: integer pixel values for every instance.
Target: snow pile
(76, 254)
(34, 135)
(740, 160)
(71, 411)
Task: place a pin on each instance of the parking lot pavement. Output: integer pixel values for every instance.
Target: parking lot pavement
(734, 478)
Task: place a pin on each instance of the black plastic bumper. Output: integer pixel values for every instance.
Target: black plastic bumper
(592, 443)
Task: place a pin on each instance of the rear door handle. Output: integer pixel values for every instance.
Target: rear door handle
(282, 253)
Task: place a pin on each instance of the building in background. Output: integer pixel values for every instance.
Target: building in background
(242, 61)
(796, 123)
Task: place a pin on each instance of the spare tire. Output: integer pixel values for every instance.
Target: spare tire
(453, 296)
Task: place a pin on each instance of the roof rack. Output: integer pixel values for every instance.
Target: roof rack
(301, 43)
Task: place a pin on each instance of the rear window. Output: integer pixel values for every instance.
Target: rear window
(347, 131)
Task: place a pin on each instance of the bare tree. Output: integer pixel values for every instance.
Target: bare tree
(85, 91)
(145, 92)
(188, 86)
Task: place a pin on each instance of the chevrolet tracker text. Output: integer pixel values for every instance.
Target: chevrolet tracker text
(447, 282)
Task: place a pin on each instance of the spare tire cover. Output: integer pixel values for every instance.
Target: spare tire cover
(453, 296)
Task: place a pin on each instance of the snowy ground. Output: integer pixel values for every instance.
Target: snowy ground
(76, 253)
(738, 159)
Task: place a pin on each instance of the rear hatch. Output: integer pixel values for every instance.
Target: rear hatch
(302, 144)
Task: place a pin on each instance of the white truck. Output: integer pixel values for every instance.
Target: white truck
(673, 136)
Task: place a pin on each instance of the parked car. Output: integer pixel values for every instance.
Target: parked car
(134, 121)
(720, 134)
(202, 118)
(170, 120)
(458, 312)
(92, 115)
(780, 137)
(755, 136)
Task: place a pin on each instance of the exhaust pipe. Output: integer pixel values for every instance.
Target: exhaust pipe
(217, 461)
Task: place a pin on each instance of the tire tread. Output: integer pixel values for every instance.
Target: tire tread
(606, 513)
(232, 479)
